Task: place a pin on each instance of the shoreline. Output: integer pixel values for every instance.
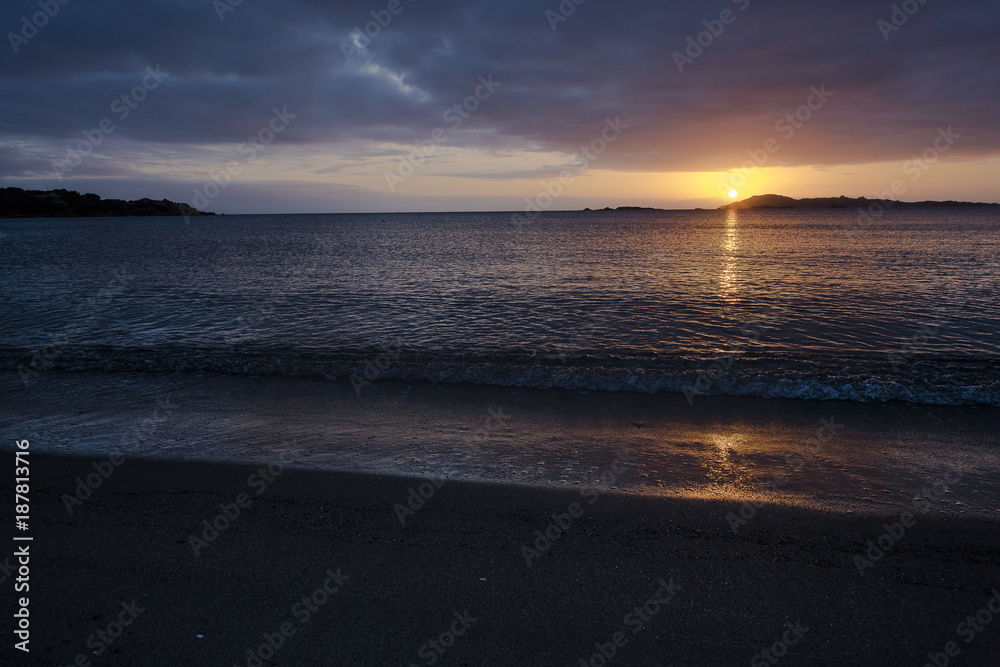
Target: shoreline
(875, 460)
(402, 586)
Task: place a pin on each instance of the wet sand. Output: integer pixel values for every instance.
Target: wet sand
(459, 564)
(834, 455)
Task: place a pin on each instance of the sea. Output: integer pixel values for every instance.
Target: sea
(776, 303)
(641, 308)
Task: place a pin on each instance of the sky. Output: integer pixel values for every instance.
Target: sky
(255, 106)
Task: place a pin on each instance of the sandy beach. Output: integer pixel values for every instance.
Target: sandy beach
(325, 558)
(475, 334)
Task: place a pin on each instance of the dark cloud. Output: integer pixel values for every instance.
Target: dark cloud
(607, 59)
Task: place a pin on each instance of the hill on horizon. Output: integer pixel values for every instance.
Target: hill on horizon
(781, 201)
(19, 203)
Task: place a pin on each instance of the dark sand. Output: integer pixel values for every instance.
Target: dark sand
(129, 541)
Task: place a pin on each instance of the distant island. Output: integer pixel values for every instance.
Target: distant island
(627, 208)
(779, 201)
(18, 203)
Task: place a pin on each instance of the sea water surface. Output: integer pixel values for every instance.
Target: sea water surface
(776, 303)
(661, 353)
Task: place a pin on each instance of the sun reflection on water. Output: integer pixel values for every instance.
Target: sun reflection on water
(729, 279)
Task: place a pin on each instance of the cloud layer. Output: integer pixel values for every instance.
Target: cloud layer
(891, 89)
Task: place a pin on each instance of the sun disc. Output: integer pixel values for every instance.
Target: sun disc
(733, 194)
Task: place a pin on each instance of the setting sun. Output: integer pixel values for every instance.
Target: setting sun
(674, 255)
